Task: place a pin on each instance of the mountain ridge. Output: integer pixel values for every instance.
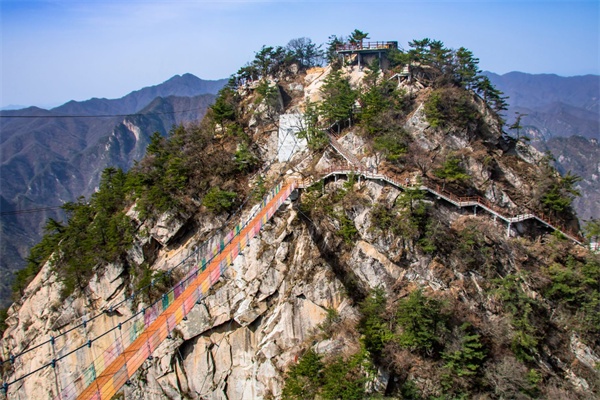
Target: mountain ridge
(355, 288)
(580, 90)
(56, 158)
(186, 85)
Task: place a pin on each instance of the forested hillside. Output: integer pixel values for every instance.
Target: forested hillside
(50, 157)
(427, 254)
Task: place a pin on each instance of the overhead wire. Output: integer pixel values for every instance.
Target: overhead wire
(42, 209)
(13, 358)
(3, 115)
(29, 210)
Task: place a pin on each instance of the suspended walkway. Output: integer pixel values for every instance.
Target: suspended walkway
(136, 338)
(118, 372)
(124, 348)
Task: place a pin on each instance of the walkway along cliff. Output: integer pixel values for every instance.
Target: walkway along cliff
(320, 271)
(137, 337)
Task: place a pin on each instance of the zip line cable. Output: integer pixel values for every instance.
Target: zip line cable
(29, 210)
(12, 358)
(96, 116)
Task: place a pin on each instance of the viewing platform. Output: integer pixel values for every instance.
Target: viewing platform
(365, 47)
(363, 53)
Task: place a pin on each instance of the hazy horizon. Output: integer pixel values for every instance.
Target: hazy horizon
(54, 51)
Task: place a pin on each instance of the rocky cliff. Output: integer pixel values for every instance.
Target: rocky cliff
(357, 288)
(50, 157)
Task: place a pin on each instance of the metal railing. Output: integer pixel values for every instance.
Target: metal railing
(367, 46)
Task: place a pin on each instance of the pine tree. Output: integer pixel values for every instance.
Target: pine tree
(357, 37)
(466, 67)
(338, 98)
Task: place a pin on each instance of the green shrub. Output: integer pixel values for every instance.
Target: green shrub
(452, 171)
(472, 252)
(260, 190)
(407, 219)
(97, 232)
(245, 160)
(557, 198)
(373, 324)
(383, 218)
(346, 379)
(436, 238)
(422, 322)
(3, 316)
(315, 136)
(224, 107)
(393, 145)
(347, 230)
(267, 93)
(218, 201)
(410, 391)
(331, 321)
(468, 359)
(339, 378)
(521, 309)
(576, 285)
(382, 104)
(338, 98)
(38, 255)
(304, 379)
(450, 107)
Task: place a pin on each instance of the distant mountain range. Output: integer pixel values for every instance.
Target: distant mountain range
(52, 156)
(555, 105)
(563, 117)
(49, 157)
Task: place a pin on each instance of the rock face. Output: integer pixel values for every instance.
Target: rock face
(299, 285)
(51, 160)
(238, 342)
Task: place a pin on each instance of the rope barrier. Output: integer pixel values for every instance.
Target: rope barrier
(212, 247)
(13, 357)
(141, 322)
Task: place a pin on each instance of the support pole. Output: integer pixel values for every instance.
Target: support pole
(55, 368)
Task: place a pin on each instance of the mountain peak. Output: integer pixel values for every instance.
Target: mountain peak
(187, 77)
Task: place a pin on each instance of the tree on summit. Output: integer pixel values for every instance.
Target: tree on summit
(357, 37)
(331, 54)
(305, 52)
(466, 67)
(490, 94)
(224, 106)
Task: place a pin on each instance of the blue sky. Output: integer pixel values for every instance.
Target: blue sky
(56, 51)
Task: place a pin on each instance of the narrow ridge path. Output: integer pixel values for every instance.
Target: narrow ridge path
(126, 360)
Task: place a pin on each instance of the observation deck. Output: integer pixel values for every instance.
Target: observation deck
(365, 47)
(366, 52)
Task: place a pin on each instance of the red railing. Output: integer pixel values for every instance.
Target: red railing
(116, 372)
(366, 46)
